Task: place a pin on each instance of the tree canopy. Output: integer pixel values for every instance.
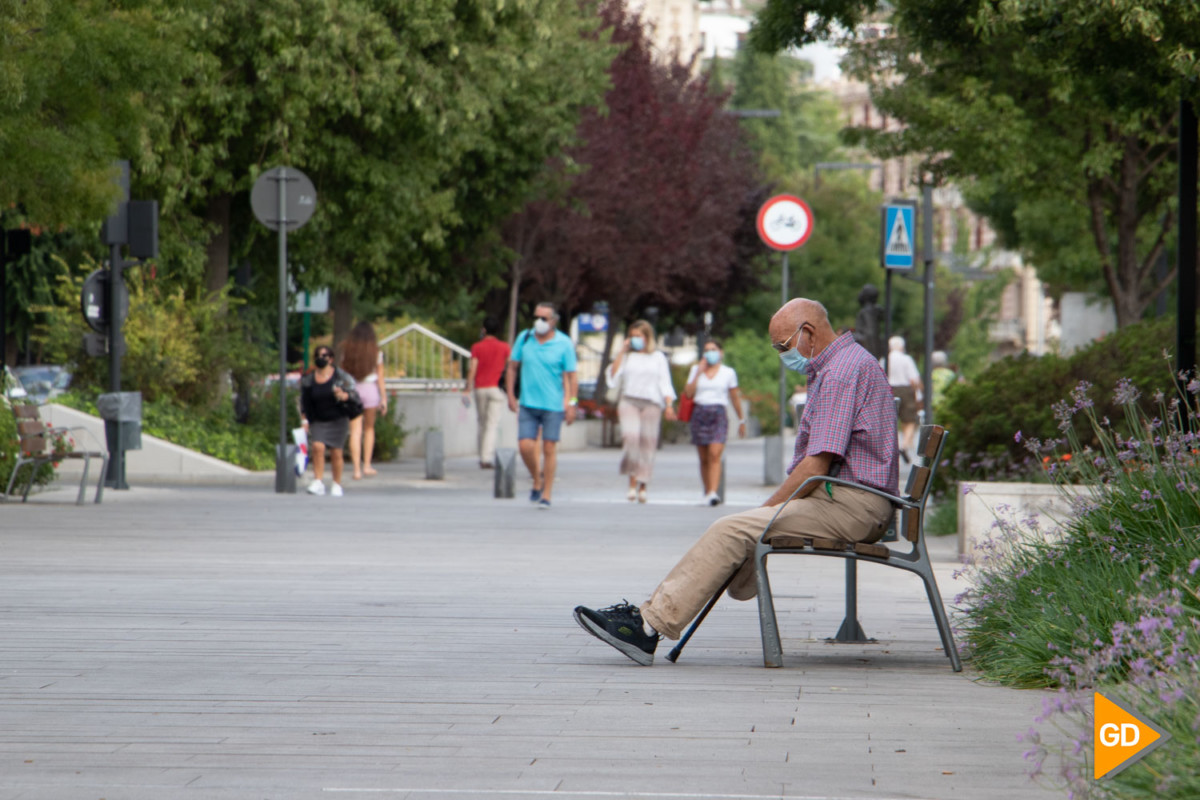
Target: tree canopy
(420, 125)
(1063, 108)
(665, 184)
(74, 78)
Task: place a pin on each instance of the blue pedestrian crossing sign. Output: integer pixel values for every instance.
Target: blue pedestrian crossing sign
(899, 246)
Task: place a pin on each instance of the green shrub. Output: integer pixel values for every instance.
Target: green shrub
(214, 431)
(178, 346)
(1018, 394)
(389, 434)
(942, 519)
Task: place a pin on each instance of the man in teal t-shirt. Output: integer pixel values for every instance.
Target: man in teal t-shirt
(549, 384)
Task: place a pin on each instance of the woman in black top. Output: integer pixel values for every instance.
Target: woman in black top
(321, 393)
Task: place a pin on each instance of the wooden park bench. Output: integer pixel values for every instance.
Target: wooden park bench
(41, 444)
(911, 506)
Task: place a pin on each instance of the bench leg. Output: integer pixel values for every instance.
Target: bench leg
(768, 624)
(851, 630)
(103, 473)
(12, 478)
(83, 480)
(925, 570)
(33, 468)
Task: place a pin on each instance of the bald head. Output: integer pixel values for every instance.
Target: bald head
(799, 312)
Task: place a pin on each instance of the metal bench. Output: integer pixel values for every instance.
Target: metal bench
(911, 506)
(38, 442)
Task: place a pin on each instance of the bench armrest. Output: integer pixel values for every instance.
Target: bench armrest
(899, 502)
(58, 431)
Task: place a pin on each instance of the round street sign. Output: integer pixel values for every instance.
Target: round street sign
(93, 301)
(785, 222)
(300, 197)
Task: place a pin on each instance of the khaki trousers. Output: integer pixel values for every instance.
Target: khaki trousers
(641, 421)
(489, 405)
(727, 548)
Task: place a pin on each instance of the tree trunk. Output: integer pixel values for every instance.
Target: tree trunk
(343, 315)
(605, 359)
(217, 267)
(514, 294)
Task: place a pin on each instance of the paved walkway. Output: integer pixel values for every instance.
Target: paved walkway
(414, 640)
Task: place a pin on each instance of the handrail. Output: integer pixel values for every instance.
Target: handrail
(416, 358)
(419, 328)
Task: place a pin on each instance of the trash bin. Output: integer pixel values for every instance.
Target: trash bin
(122, 415)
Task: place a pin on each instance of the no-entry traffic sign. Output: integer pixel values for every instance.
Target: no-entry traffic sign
(785, 222)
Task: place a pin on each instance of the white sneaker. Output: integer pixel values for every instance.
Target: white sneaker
(336, 490)
(632, 495)
(317, 488)
(713, 499)
(641, 494)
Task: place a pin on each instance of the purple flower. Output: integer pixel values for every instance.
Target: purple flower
(1148, 625)
(1192, 567)
(1080, 396)
(1017, 438)
(1126, 393)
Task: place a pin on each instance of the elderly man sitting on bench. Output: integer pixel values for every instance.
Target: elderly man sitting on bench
(848, 430)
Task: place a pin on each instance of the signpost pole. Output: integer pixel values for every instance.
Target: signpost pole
(784, 223)
(281, 465)
(306, 322)
(783, 393)
(927, 235)
(3, 296)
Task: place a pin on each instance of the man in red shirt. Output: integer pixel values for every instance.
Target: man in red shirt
(489, 357)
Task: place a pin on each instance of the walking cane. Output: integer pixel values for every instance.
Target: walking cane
(673, 656)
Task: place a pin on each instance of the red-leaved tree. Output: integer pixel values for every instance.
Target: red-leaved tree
(661, 212)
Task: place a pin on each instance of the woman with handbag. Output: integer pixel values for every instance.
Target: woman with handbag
(327, 400)
(641, 375)
(712, 386)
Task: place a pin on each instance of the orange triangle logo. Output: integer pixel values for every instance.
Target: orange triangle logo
(1121, 737)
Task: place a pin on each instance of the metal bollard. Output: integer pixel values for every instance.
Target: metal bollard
(721, 485)
(506, 472)
(285, 469)
(435, 456)
(772, 461)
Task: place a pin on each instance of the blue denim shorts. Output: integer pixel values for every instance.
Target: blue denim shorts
(530, 419)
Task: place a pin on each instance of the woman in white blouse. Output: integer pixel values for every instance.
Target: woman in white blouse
(644, 375)
(712, 386)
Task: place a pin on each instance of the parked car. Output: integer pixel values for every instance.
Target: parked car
(43, 382)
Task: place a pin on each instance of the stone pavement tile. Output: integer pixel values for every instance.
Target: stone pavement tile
(237, 644)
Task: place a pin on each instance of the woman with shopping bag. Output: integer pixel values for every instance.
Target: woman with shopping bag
(713, 386)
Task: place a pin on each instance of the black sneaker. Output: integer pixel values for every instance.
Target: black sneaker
(621, 627)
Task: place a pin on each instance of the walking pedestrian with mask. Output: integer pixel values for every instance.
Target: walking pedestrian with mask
(545, 358)
(644, 376)
(713, 387)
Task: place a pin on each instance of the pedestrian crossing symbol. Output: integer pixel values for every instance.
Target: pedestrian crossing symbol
(899, 251)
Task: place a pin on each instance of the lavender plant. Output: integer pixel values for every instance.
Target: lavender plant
(1109, 600)
(1153, 667)
(1038, 593)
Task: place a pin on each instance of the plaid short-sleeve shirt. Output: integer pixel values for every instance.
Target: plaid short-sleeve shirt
(851, 414)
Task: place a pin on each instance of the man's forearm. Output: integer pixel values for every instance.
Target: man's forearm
(808, 468)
